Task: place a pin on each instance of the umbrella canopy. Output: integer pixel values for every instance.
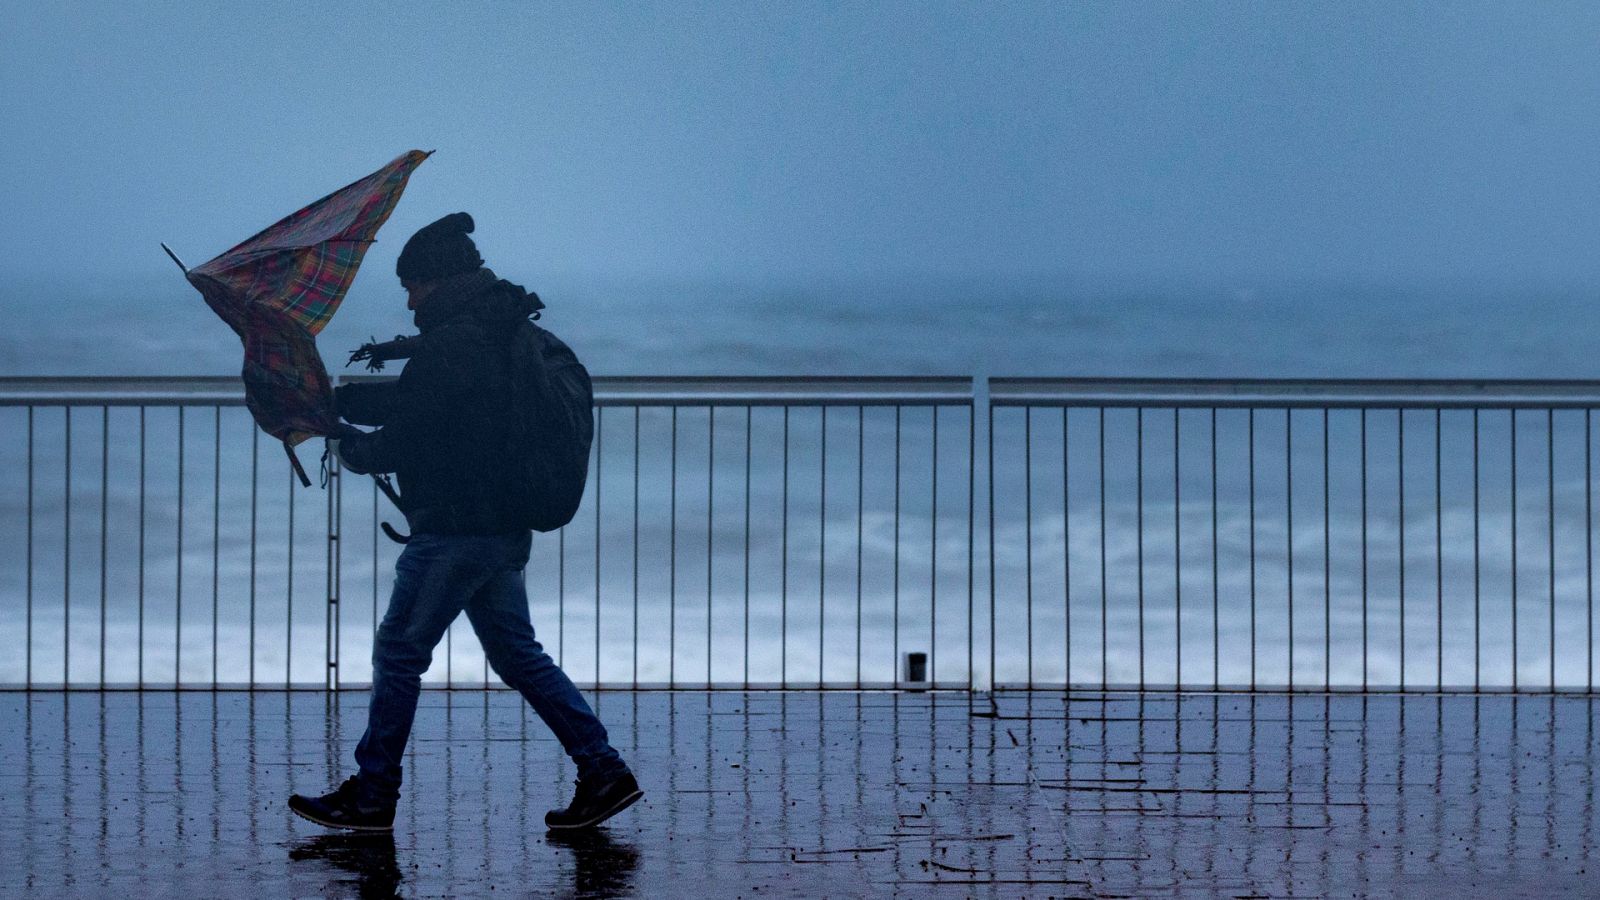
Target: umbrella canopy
(279, 288)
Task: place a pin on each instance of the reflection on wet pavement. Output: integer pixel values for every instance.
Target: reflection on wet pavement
(602, 866)
(368, 860)
(810, 794)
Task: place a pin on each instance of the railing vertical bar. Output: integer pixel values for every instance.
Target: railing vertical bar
(1066, 551)
(636, 553)
(374, 556)
(1250, 440)
(1177, 548)
(822, 552)
(255, 484)
(337, 489)
(861, 447)
(1400, 478)
(747, 431)
(1027, 529)
(28, 644)
(1514, 674)
(894, 643)
(1288, 519)
(1327, 564)
(1216, 572)
(1105, 591)
(1477, 572)
(672, 563)
(66, 555)
(1364, 617)
(1550, 481)
(783, 578)
(989, 434)
(1588, 544)
(561, 596)
(450, 658)
(288, 630)
(1138, 426)
(105, 490)
(216, 533)
(330, 665)
(141, 550)
(711, 493)
(599, 470)
(1438, 546)
(177, 632)
(972, 465)
(933, 563)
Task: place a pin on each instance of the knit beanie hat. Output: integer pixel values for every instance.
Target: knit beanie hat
(438, 250)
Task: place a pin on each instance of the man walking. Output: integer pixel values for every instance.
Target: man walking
(449, 430)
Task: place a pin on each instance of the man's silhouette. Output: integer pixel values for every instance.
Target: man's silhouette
(445, 428)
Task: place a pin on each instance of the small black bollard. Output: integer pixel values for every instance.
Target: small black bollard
(916, 671)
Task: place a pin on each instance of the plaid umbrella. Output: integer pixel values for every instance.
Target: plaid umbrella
(279, 288)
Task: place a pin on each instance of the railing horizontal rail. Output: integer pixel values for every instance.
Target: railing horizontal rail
(119, 391)
(1295, 393)
(622, 390)
(714, 390)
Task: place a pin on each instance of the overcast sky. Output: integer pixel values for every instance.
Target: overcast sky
(1378, 141)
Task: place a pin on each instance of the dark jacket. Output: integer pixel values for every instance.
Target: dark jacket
(446, 422)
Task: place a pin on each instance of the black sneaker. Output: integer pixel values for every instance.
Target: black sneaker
(594, 802)
(343, 809)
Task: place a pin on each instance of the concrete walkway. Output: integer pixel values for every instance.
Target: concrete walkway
(807, 794)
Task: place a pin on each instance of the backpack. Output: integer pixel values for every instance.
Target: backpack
(550, 432)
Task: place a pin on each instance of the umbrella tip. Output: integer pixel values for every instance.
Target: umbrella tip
(175, 258)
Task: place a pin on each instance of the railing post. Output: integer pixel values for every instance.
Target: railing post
(972, 467)
(334, 571)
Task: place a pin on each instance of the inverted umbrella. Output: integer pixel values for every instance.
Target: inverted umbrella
(279, 288)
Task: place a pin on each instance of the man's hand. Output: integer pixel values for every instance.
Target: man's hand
(341, 433)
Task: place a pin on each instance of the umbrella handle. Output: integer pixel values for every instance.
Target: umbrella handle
(395, 536)
(388, 491)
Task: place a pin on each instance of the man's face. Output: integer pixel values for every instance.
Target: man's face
(416, 292)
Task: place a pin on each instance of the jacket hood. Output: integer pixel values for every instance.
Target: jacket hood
(481, 295)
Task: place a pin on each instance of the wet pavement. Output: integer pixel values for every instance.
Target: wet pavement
(808, 794)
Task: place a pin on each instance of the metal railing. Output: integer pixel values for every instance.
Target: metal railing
(736, 532)
(1292, 535)
(813, 532)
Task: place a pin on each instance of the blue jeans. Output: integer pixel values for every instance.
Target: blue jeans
(436, 577)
